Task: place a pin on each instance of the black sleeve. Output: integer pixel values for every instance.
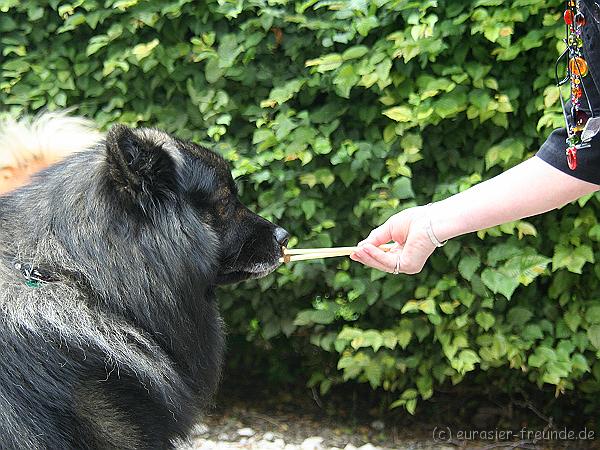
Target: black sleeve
(553, 151)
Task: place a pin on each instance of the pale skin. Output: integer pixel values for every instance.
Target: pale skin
(528, 189)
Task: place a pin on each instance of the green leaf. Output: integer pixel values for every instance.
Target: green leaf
(228, 51)
(592, 315)
(96, 43)
(389, 339)
(572, 319)
(499, 282)
(310, 316)
(427, 306)
(326, 63)
(349, 333)
(519, 316)
(402, 188)
(526, 268)
(593, 334)
(309, 207)
(485, 320)
(573, 259)
(374, 372)
(212, 71)
(373, 338)
(502, 153)
(282, 94)
(404, 336)
(447, 307)
(365, 25)
(399, 113)
(468, 265)
(142, 51)
(411, 143)
(466, 361)
(345, 80)
(410, 305)
(532, 332)
(357, 51)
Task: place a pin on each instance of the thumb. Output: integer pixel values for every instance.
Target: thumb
(391, 230)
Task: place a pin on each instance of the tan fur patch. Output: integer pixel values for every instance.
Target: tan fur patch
(30, 144)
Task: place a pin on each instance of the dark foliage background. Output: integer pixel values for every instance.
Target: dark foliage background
(334, 115)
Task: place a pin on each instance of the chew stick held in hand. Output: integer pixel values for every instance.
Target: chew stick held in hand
(304, 254)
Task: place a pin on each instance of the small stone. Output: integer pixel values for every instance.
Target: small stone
(280, 443)
(223, 437)
(378, 425)
(246, 432)
(206, 445)
(312, 443)
(349, 447)
(367, 447)
(268, 436)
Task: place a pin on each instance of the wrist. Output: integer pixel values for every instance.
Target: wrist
(441, 223)
(429, 230)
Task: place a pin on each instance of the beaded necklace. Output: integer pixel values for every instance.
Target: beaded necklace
(577, 68)
(581, 126)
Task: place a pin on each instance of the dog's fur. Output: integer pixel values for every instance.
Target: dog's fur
(120, 345)
(31, 144)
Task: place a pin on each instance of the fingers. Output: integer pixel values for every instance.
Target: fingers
(374, 257)
(414, 253)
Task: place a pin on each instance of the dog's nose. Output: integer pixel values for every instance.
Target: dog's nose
(281, 236)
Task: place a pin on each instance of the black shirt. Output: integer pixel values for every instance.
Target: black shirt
(553, 150)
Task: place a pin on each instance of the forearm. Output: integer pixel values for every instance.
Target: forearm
(528, 189)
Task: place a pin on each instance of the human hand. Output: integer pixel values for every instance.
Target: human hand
(413, 245)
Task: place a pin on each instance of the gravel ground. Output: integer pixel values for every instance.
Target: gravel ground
(240, 428)
(247, 429)
(253, 416)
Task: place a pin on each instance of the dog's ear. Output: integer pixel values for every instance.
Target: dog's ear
(139, 163)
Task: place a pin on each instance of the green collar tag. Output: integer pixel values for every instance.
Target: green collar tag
(32, 283)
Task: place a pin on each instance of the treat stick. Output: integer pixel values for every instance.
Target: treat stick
(304, 254)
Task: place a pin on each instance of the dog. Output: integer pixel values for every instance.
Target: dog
(110, 333)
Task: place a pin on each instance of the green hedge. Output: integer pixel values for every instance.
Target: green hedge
(336, 114)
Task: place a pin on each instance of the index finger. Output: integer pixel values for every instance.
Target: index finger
(380, 235)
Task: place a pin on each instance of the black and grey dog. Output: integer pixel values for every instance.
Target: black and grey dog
(110, 335)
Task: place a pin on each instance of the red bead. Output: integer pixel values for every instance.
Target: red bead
(579, 19)
(577, 92)
(568, 16)
(572, 157)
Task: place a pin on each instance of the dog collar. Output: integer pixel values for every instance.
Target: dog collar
(34, 276)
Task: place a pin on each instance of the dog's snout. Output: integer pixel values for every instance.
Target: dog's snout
(281, 236)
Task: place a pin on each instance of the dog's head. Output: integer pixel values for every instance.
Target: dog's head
(151, 169)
